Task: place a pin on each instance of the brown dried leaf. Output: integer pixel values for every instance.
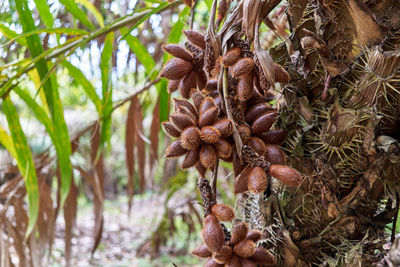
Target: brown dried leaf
(70, 207)
(154, 130)
(129, 149)
(98, 166)
(140, 144)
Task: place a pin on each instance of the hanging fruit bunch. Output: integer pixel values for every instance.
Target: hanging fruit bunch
(229, 118)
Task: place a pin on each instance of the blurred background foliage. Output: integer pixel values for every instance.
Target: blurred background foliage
(82, 175)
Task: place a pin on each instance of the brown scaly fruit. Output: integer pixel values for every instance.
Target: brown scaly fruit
(224, 126)
(176, 69)
(245, 87)
(273, 137)
(231, 57)
(191, 158)
(263, 257)
(245, 248)
(224, 148)
(178, 51)
(195, 38)
(274, 155)
(287, 175)
(242, 67)
(281, 75)
(257, 145)
(187, 84)
(254, 235)
(257, 181)
(209, 135)
(223, 255)
(256, 110)
(173, 85)
(175, 149)
(241, 183)
(170, 129)
(239, 232)
(212, 233)
(263, 122)
(212, 263)
(202, 251)
(234, 262)
(208, 156)
(190, 137)
(223, 212)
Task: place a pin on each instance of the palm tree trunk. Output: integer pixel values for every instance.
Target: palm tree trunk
(341, 109)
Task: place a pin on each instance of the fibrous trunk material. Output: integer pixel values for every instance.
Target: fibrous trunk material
(308, 114)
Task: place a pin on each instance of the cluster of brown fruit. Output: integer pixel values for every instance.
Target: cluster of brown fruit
(185, 70)
(255, 131)
(238, 249)
(202, 134)
(205, 134)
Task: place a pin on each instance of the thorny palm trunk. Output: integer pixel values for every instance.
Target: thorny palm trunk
(341, 109)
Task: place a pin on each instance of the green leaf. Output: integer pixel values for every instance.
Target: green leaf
(174, 37)
(176, 30)
(66, 31)
(209, 4)
(85, 83)
(39, 111)
(140, 50)
(106, 70)
(89, 6)
(153, 11)
(78, 13)
(5, 30)
(62, 143)
(7, 142)
(164, 99)
(44, 13)
(24, 161)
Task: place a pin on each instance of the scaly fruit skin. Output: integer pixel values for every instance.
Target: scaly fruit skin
(241, 184)
(245, 87)
(224, 126)
(190, 138)
(202, 251)
(242, 67)
(176, 69)
(287, 175)
(273, 137)
(254, 235)
(223, 212)
(258, 181)
(191, 159)
(231, 57)
(274, 155)
(239, 232)
(208, 156)
(224, 149)
(209, 135)
(263, 122)
(178, 51)
(195, 38)
(262, 256)
(256, 110)
(187, 84)
(245, 248)
(281, 75)
(170, 129)
(212, 233)
(223, 255)
(175, 149)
